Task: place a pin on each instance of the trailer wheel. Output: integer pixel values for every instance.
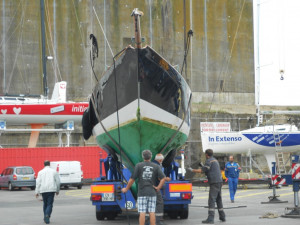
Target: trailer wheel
(184, 214)
(79, 186)
(99, 215)
(111, 215)
(173, 215)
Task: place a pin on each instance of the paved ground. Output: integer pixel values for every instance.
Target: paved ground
(73, 207)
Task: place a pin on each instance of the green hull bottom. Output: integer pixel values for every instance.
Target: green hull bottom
(138, 136)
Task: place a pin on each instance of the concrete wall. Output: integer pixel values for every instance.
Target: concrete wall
(220, 59)
(224, 98)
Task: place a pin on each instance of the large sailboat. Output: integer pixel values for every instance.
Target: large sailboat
(141, 102)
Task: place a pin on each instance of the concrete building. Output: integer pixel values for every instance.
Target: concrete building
(220, 57)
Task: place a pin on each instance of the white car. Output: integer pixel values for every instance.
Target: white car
(70, 173)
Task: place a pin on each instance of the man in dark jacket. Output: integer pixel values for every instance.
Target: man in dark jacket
(213, 173)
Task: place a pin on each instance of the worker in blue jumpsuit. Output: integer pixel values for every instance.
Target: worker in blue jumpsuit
(232, 172)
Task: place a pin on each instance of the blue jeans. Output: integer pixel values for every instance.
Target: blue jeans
(232, 184)
(48, 199)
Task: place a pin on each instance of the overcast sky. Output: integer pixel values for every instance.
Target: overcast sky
(279, 49)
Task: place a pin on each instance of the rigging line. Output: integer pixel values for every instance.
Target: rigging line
(110, 137)
(50, 34)
(80, 31)
(11, 24)
(48, 24)
(17, 53)
(119, 134)
(189, 34)
(49, 50)
(47, 42)
(183, 120)
(54, 65)
(103, 31)
(280, 10)
(234, 39)
(25, 81)
(224, 59)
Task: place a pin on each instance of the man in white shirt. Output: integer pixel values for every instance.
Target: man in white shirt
(47, 184)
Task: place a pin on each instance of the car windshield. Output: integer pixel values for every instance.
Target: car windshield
(24, 171)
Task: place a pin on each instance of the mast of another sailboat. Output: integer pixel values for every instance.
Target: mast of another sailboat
(3, 46)
(256, 12)
(45, 85)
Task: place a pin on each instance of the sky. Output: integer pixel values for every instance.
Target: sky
(279, 49)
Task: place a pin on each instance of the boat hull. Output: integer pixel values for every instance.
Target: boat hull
(243, 142)
(152, 131)
(40, 113)
(149, 98)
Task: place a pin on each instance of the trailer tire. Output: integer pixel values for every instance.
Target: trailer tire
(184, 214)
(79, 186)
(173, 215)
(111, 215)
(99, 215)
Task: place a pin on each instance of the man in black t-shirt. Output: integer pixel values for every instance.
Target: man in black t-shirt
(147, 174)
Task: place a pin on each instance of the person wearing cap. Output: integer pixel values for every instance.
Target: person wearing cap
(232, 172)
(212, 170)
(47, 184)
(147, 174)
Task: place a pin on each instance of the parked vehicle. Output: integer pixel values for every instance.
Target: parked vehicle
(70, 173)
(17, 177)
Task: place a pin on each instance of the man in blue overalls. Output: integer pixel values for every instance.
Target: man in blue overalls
(232, 172)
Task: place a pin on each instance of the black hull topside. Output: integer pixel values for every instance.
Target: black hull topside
(141, 73)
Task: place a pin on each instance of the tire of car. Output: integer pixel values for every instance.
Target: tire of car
(79, 186)
(32, 188)
(10, 187)
(99, 215)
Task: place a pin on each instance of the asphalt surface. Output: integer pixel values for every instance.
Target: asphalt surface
(72, 206)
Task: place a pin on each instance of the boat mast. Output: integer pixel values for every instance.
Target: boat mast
(136, 14)
(3, 46)
(256, 12)
(184, 37)
(137, 27)
(45, 86)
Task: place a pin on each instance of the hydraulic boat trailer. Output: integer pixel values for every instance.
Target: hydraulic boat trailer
(106, 193)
